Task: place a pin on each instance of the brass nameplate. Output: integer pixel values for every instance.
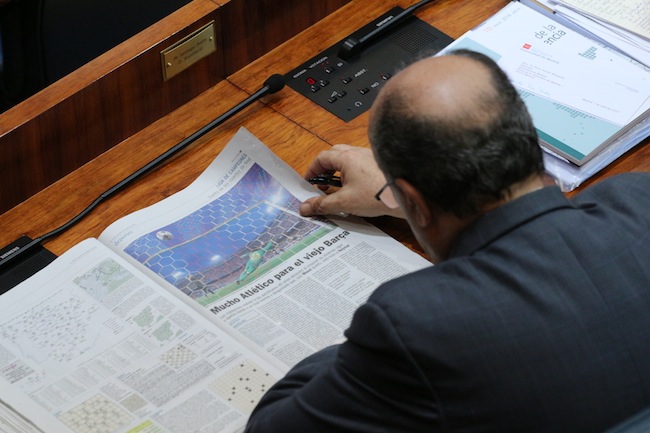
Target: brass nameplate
(188, 51)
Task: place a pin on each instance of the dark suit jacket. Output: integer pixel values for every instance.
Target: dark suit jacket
(539, 322)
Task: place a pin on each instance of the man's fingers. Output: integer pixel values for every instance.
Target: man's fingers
(321, 205)
(328, 161)
(310, 206)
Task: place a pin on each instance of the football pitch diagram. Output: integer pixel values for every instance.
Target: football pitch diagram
(231, 241)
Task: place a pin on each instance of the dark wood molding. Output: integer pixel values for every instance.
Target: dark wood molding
(122, 91)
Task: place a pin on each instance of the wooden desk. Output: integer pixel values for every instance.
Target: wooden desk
(292, 126)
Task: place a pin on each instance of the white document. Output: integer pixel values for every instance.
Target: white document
(581, 95)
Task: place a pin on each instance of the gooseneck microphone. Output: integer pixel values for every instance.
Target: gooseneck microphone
(272, 85)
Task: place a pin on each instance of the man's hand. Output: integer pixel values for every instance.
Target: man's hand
(361, 179)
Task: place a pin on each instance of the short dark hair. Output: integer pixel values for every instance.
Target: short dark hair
(459, 167)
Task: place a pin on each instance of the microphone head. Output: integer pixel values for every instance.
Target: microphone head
(274, 83)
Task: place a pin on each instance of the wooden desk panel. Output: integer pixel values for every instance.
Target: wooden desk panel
(122, 91)
(100, 104)
(267, 24)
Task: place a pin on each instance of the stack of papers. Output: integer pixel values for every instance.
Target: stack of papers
(569, 176)
(589, 103)
(622, 24)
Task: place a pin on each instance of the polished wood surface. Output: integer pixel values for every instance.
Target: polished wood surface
(122, 91)
(292, 126)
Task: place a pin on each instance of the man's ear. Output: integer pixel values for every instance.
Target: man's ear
(414, 204)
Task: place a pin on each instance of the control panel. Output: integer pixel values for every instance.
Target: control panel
(347, 88)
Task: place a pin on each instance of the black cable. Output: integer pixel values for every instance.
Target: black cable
(272, 84)
(352, 46)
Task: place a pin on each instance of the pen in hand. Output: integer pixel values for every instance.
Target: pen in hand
(326, 179)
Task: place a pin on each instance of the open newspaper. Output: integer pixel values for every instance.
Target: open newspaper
(180, 316)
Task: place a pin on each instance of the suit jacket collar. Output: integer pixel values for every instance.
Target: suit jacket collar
(507, 217)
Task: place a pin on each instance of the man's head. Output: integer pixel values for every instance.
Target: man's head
(455, 130)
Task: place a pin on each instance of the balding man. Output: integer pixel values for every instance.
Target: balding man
(536, 315)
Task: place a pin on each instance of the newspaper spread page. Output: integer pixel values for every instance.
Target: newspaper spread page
(90, 344)
(580, 94)
(234, 246)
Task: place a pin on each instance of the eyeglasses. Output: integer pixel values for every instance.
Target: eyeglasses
(386, 196)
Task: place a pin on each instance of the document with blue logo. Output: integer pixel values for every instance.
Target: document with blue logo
(582, 95)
